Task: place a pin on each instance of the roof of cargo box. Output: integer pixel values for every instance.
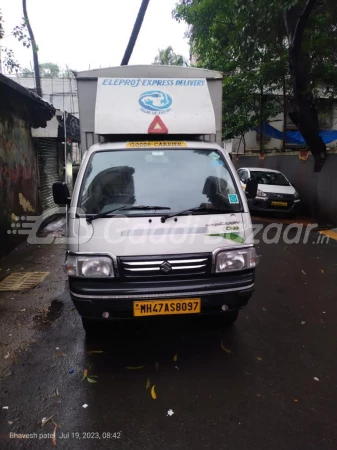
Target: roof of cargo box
(149, 71)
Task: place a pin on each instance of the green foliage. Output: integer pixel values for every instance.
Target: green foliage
(20, 32)
(49, 70)
(247, 40)
(167, 57)
(241, 105)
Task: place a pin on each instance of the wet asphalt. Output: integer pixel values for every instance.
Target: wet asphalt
(269, 382)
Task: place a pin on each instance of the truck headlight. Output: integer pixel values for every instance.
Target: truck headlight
(296, 195)
(234, 260)
(89, 266)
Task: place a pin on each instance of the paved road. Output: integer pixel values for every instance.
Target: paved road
(262, 395)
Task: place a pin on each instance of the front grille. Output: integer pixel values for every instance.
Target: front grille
(280, 197)
(165, 266)
(288, 198)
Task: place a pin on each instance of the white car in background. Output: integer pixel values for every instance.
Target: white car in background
(275, 192)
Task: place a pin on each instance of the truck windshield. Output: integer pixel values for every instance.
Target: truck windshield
(174, 179)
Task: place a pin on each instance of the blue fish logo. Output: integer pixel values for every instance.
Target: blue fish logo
(155, 101)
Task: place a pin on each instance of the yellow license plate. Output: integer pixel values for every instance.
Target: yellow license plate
(279, 204)
(166, 307)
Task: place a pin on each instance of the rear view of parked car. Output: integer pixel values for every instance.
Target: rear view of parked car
(275, 192)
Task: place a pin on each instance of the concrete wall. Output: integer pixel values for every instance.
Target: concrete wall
(318, 191)
(61, 92)
(18, 177)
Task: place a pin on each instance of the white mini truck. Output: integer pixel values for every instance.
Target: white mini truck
(158, 223)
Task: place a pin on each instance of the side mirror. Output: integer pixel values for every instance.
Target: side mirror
(251, 188)
(61, 193)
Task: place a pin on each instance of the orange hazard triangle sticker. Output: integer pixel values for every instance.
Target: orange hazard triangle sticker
(157, 126)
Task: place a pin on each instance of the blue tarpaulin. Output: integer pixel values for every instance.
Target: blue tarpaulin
(295, 137)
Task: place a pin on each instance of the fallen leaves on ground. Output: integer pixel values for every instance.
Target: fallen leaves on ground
(55, 393)
(85, 374)
(225, 349)
(148, 383)
(175, 357)
(91, 380)
(45, 420)
(53, 439)
(259, 358)
(134, 367)
(153, 392)
(303, 272)
(60, 355)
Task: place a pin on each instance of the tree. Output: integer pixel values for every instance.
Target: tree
(34, 49)
(265, 38)
(134, 35)
(242, 106)
(167, 57)
(50, 70)
(296, 18)
(19, 32)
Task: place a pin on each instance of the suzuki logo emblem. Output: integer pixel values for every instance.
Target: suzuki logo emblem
(166, 267)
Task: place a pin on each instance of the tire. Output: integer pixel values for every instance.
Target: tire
(91, 327)
(230, 318)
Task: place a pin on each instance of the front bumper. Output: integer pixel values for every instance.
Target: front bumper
(265, 204)
(93, 297)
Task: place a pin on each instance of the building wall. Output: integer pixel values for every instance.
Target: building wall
(61, 92)
(18, 177)
(317, 190)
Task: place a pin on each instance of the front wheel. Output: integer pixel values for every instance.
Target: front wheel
(230, 318)
(91, 327)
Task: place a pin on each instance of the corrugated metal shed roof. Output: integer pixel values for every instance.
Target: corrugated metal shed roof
(40, 111)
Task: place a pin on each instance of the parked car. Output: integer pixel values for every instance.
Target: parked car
(275, 192)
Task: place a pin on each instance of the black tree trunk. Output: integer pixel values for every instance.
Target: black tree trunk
(135, 32)
(306, 117)
(34, 48)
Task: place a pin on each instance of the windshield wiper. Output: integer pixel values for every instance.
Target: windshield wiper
(196, 209)
(123, 208)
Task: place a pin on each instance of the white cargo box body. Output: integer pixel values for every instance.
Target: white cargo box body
(126, 100)
(154, 106)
